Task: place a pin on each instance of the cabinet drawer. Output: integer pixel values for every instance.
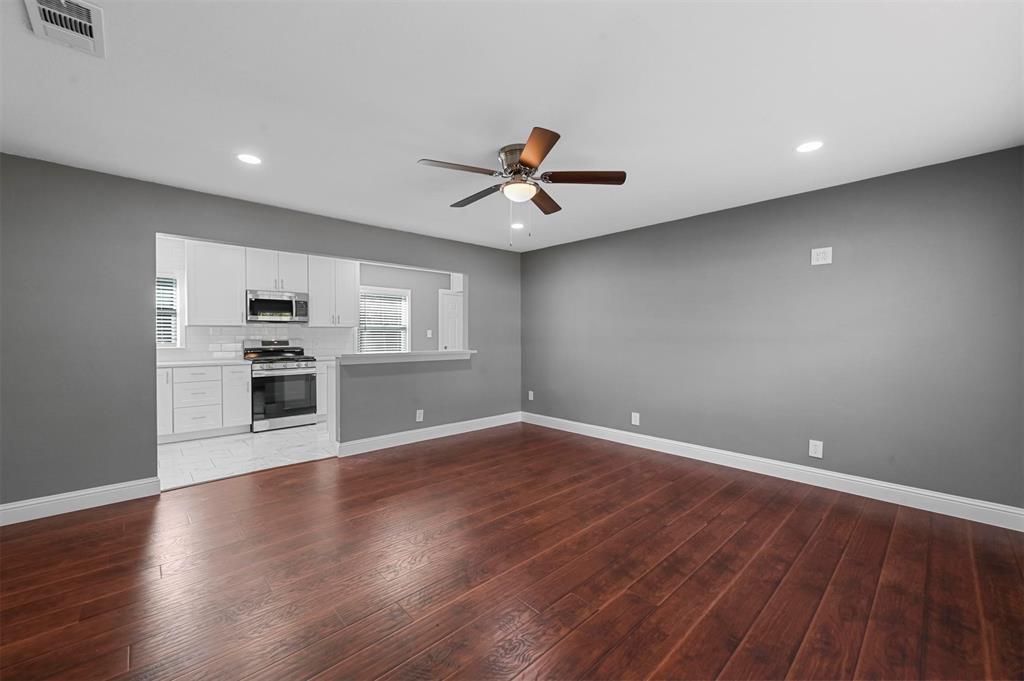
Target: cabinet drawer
(233, 375)
(190, 419)
(190, 374)
(196, 394)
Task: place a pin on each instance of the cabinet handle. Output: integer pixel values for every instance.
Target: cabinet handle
(282, 283)
(167, 377)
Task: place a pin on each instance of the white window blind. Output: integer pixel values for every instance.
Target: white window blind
(383, 321)
(166, 311)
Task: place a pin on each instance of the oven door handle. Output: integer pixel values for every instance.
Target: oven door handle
(283, 372)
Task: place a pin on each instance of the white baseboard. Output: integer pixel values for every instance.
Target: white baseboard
(41, 507)
(407, 437)
(1010, 517)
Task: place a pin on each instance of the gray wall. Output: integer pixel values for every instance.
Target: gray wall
(423, 286)
(77, 294)
(904, 356)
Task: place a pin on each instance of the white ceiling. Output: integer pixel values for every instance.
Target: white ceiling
(702, 103)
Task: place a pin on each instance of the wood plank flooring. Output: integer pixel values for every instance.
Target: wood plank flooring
(511, 553)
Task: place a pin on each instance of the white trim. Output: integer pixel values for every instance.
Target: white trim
(1010, 517)
(407, 437)
(41, 507)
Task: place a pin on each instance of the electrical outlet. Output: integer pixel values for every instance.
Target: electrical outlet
(815, 449)
(419, 415)
(821, 256)
(430, 333)
(634, 418)
(529, 395)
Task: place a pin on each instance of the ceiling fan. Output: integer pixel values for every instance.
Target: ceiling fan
(519, 164)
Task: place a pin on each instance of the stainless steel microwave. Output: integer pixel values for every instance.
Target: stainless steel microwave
(276, 306)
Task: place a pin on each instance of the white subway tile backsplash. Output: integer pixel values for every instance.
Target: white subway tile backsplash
(227, 341)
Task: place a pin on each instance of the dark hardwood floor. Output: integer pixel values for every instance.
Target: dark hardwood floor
(514, 552)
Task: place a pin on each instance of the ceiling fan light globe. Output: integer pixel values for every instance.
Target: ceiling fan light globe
(518, 191)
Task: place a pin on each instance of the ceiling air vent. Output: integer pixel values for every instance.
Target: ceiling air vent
(78, 25)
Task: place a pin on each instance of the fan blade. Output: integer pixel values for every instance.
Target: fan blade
(458, 166)
(584, 177)
(476, 197)
(537, 147)
(544, 201)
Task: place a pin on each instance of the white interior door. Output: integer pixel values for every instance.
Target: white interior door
(450, 320)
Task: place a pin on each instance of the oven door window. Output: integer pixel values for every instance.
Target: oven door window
(277, 396)
(269, 307)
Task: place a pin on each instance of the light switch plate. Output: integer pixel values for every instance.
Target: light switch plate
(529, 395)
(430, 333)
(815, 449)
(419, 415)
(821, 256)
(634, 418)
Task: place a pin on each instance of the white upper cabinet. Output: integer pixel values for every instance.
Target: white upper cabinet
(276, 271)
(333, 292)
(216, 284)
(321, 291)
(260, 269)
(346, 292)
(292, 272)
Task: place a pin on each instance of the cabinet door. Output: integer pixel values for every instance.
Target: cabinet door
(261, 269)
(216, 284)
(346, 292)
(321, 291)
(292, 272)
(164, 402)
(237, 396)
(321, 389)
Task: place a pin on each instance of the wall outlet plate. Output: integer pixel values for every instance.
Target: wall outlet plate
(430, 333)
(529, 395)
(815, 449)
(821, 256)
(419, 415)
(634, 418)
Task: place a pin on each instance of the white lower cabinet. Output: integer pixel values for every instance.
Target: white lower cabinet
(237, 396)
(198, 394)
(193, 399)
(164, 402)
(189, 419)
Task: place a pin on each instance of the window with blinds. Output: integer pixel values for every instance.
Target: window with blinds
(383, 320)
(167, 311)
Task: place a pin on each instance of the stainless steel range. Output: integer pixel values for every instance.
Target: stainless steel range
(283, 385)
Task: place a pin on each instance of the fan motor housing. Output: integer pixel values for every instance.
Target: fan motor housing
(508, 155)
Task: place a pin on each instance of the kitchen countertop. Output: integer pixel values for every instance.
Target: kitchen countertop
(397, 357)
(201, 363)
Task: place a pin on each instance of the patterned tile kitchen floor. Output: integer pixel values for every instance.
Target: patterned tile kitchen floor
(188, 463)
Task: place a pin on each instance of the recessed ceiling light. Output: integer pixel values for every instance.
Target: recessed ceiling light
(517, 225)
(813, 145)
(250, 159)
